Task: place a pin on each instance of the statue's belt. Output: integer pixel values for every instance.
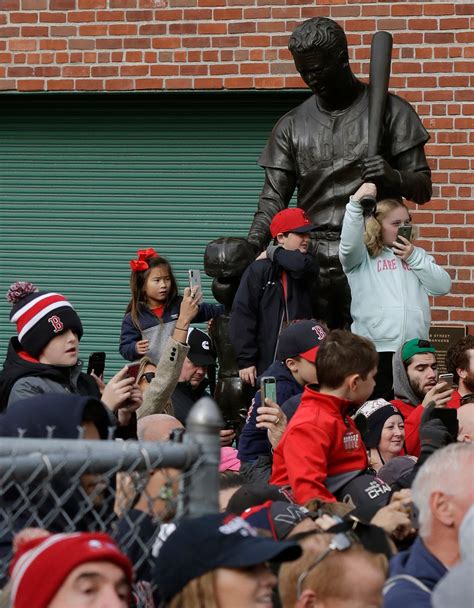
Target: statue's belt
(329, 235)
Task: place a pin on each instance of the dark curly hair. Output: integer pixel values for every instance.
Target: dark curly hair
(456, 355)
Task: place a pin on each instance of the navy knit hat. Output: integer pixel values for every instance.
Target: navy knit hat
(370, 419)
(40, 316)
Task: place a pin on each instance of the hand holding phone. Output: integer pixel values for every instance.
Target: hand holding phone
(194, 281)
(133, 369)
(268, 388)
(404, 231)
(448, 378)
(96, 364)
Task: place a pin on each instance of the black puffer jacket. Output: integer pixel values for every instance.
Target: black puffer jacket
(259, 305)
(24, 377)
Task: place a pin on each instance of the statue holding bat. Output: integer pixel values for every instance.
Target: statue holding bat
(325, 150)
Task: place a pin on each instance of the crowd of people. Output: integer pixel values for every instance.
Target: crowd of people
(350, 485)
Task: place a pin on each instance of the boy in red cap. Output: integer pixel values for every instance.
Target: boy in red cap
(273, 292)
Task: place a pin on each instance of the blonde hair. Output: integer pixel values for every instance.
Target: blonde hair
(144, 363)
(198, 593)
(373, 228)
(327, 578)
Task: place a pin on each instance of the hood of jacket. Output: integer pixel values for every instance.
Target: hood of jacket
(56, 416)
(401, 385)
(420, 563)
(280, 372)
(17, 366)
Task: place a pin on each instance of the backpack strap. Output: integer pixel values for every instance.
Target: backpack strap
(391, 582)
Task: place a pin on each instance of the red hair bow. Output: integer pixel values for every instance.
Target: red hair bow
(146, 254)
(138, 265)
(143, 255)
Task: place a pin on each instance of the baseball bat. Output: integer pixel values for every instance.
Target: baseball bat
(380, 61)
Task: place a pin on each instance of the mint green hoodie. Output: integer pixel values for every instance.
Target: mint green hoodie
(389, 296)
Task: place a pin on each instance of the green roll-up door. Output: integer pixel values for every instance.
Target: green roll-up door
(86, 180)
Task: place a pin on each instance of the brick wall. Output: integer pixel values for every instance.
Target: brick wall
(132, 45)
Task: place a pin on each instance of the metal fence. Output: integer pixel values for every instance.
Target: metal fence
(126, 488)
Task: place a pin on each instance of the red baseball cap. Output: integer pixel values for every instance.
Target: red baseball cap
(291, 220)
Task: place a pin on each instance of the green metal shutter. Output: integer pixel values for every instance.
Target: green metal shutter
(86, 180)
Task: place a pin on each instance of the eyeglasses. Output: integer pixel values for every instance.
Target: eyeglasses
(341, 542)
(148, 376)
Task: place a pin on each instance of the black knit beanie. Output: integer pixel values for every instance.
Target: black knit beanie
(40, 316)
(376, 413)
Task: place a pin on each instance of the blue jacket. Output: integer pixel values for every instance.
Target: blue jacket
(419, 563)
(389, 296)
(156, 330)
(291, 405)
(259, 304)
(253, 441)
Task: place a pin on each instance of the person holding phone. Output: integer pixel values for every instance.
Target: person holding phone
(390, 279)
(153, 310)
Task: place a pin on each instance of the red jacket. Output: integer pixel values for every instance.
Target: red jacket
(320, 441)
(412, 415)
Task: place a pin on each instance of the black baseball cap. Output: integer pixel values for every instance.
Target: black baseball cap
(256, 493)
(366, 493)
(201, 350)
(277, 516)
(202, 544)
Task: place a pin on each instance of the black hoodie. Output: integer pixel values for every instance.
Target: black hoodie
(65, 507)
(44, 378)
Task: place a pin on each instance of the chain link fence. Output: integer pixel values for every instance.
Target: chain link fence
(129, 489)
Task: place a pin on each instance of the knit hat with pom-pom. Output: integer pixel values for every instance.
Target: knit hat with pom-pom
(42, 563)
(40, 316)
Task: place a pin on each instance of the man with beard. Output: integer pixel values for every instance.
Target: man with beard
(460, 363)
(415, 385)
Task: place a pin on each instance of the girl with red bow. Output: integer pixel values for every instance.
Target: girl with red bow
(153, 309)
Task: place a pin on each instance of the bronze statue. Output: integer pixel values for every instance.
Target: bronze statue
(225, 260)
(320, 149)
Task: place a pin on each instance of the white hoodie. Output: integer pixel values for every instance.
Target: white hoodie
(389, 296)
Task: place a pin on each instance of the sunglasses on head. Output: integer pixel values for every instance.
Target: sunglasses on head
(341, 542)
(148, 376)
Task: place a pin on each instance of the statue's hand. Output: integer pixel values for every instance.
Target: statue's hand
(376, 169)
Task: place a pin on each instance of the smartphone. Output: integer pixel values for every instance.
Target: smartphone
(194, 279)
(404, 231)
(133, 369)
(449, 418)
(230, 425)
(448, 378)
(96, 363)
(268, 388)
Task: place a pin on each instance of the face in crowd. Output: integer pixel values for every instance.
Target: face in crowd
(391, 222)
(392, 437)
(62, 350)
(94, 585)
(422, 373)
(194, 374)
